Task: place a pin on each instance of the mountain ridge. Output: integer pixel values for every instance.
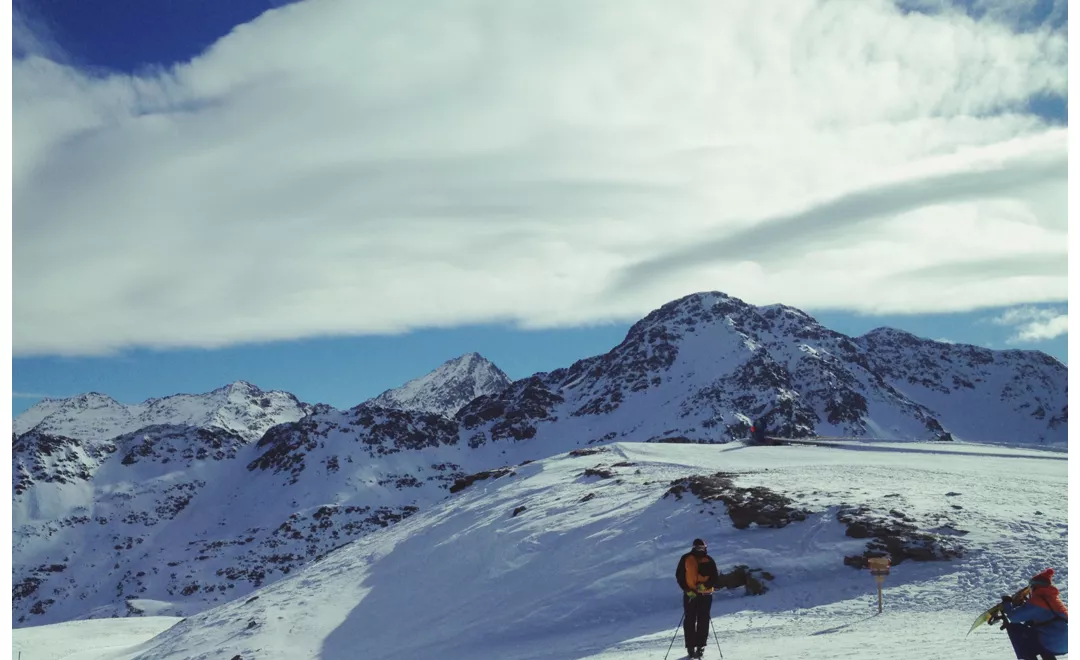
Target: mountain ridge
(239, 407)
(229, 513)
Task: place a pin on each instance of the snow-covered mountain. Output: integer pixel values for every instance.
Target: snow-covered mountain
(239, 407)
(574, 556)
(704, 367)
(195, 516)
(448, 388)
(191, 513)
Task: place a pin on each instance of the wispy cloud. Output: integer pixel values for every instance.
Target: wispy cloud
(1034, 324)
(31, 395)
(832, 222)
(31, 34)
(428, 164)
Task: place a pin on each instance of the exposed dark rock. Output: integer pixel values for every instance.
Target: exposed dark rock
(43, 458)
(516, 408)
(26, 588)
(382, 431)
(752, 579)
(41, 605)
(746, 506)
(897, 539)
(465, 482)
(598, 471)
(587, 451)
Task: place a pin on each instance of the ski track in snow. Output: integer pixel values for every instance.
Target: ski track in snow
(593, 579)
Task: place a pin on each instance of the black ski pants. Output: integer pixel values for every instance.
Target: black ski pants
(696, 620)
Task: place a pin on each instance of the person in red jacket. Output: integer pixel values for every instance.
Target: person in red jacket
(1038, 627)
(696, 575)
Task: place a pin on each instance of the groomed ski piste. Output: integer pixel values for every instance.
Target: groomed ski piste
(586, 569)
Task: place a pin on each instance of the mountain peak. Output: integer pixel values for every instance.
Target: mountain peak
(238, 386)
(89, 397)
(448, 388)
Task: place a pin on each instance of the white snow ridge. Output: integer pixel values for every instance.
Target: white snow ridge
(239, 407)
(543, 518)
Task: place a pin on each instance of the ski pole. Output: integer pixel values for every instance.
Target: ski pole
(713, 626)
(675, 635)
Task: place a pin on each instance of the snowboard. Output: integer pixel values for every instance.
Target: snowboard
(1017, 597)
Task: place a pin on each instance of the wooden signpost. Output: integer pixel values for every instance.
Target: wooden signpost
(879, 568)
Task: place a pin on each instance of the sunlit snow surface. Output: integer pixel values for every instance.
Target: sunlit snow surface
(568, 578)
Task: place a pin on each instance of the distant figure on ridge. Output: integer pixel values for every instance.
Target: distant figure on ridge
(1038, 626)
(757, 432)
(697, 576)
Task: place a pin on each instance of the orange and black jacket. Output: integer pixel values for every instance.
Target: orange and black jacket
(698, 571)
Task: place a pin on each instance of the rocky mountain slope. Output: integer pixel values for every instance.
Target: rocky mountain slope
(194, 510)
(448, 388)
(704, 367)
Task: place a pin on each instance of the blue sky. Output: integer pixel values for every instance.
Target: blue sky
(346, 371)
(129, 36)
(304, 204)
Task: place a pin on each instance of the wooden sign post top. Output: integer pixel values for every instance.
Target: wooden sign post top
(879, 568)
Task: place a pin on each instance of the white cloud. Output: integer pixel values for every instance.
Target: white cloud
(438, 163)
(31, 34)
(1034, 323)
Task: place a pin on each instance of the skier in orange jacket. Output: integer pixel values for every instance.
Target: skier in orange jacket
(696, 575)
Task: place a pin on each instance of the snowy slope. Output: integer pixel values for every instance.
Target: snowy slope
(448, 388)
(585, 568)
(191, 514)
(702, 368)
(239, 407)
